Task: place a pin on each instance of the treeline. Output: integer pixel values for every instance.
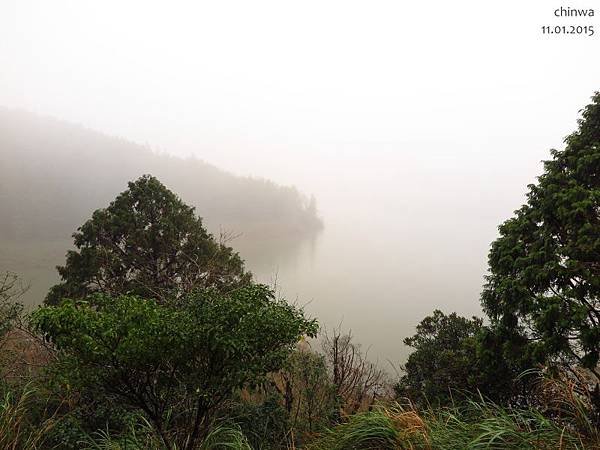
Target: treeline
(54, 174)
(157, 337)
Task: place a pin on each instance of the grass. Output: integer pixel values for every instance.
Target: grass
(485, 425)
(17, 429)
(142, 437)
(473, 426)
(566, 421)
(225, 437)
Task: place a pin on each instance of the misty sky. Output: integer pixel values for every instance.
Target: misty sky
(278, 88)
(429, 117)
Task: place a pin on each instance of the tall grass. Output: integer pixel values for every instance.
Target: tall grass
(137, 437)
(225, 437)
(485, 425)
(473, 426)
(18, 429)
(568, 399)
(381, 429)
(373, 430)
(142, 437)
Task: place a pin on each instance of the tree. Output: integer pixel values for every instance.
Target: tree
(147, 242)
(543, 291)
(305, 390)
(444, 360)
(357, 382)
(456, 358)
(11, 289)
(175, 363)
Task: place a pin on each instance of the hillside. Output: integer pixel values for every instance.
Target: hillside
(54, 174)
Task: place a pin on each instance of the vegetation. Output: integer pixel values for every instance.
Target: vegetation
(148, 243)
(543, 291)
(10, 309)
(65, 171)
(441, 365)
(20, 426)
(157, 338)
(357, 382)
(175, 363)
(454, 359)
(474, 425)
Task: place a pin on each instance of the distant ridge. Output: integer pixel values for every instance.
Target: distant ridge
(54, 174)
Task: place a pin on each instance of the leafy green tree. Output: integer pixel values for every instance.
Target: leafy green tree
(543, 291)
(175, 363)
(147, 242)
(444, 362)
(457, 358)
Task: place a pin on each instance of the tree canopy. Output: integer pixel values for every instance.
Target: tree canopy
(444, 358)
(147, 242)
(456, 358)
(543, 290)
(161, 357)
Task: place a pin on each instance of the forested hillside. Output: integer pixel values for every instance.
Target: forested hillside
(54, 174)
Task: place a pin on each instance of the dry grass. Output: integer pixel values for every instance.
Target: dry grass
(22, 355)
(17, 429)
(567, 397)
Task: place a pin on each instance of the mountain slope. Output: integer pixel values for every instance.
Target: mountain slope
(54, 174)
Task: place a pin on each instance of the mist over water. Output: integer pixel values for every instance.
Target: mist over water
(416, 127)
(402, 237)
(407, 227)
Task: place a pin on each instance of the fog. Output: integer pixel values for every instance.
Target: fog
(417, 125)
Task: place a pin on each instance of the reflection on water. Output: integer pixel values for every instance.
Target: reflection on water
(264, 255)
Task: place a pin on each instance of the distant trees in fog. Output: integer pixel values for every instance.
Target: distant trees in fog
(54, 174)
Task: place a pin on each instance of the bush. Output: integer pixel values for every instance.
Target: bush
(175, 362)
